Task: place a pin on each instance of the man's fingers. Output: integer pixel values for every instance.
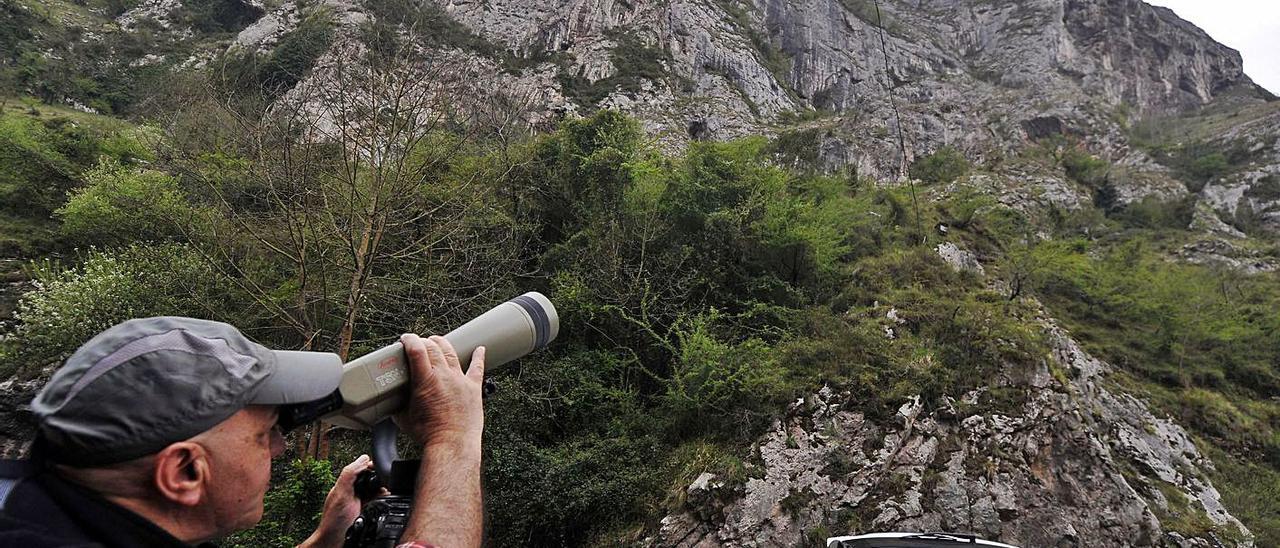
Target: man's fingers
(347, 477)
(359, 465)
(450, 355)
(475, 371)
(436, 353)
(416, 350)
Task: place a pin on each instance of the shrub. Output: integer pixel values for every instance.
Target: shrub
(1265, 189)
(797, 148)
(251, 76)
(943, 166)
(1085, 168)
(68, 306)
(1155, 213)
(571, 449)
(121, 205)
(1208, 167)
(634, 62)
(217, 16)
(42, 157)
(1251, 491)
(718, 386)
(296, 53)
(34, 175)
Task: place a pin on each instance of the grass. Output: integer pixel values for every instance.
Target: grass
(1250, 491)
(1200, 344)
(26, 238)
(48, 146)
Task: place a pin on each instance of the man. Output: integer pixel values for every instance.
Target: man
(161, 431)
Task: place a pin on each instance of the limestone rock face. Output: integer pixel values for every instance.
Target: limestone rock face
(1077, 464)
(1252, 195)
(981, 76)
(871, 85)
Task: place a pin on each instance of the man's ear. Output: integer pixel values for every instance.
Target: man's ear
(181, 472)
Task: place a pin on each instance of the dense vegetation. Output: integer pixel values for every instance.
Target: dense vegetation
(65, 51)
(698, 294)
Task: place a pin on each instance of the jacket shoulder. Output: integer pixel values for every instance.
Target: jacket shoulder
(15, 533)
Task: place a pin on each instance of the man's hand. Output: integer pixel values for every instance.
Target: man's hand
(341, 507)
(445, 414)
(445, 405)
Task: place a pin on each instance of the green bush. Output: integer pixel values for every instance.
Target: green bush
(1252, 493)
(943, 166)
(634, 62)
(296, 53)
(570, 447)
(1266, 189)
(68, 306)
(797, 148)
(34, 175)
(121, 205)
(718, 387)
(1153, 212)
(430, 24)
(217, 16)
(1085, 168)
(253, 77)
(1208, 167)
(43, 157)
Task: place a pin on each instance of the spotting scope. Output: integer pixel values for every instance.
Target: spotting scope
(375, 386)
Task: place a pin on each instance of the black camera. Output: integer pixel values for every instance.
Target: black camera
(385, 513)
(383, 516)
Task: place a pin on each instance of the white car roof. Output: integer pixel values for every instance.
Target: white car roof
(960, 538)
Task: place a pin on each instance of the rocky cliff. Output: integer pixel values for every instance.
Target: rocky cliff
(862, 82)
(1080, 463)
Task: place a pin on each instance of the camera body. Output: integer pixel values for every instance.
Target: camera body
(383, 517)
(380, 523)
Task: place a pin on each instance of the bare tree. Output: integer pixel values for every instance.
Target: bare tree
(362, 192)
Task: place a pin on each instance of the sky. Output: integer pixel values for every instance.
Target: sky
(1251, 26)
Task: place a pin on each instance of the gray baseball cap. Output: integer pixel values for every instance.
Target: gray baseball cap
(144, 384)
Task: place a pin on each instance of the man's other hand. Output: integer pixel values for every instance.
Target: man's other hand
(341, 507)
(445, 405)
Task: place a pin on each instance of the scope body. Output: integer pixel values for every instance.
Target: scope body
(374, 387)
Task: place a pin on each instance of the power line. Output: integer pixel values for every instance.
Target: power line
(897, 117)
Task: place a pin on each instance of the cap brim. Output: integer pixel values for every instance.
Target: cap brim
(300, 377)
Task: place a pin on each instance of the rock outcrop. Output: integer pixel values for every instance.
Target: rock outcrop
(1077, 463)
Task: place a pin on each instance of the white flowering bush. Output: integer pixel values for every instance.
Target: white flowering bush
(68, 306)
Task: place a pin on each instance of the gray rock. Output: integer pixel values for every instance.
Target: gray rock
(1054, 473)
(1213, 251)
(959, 258)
